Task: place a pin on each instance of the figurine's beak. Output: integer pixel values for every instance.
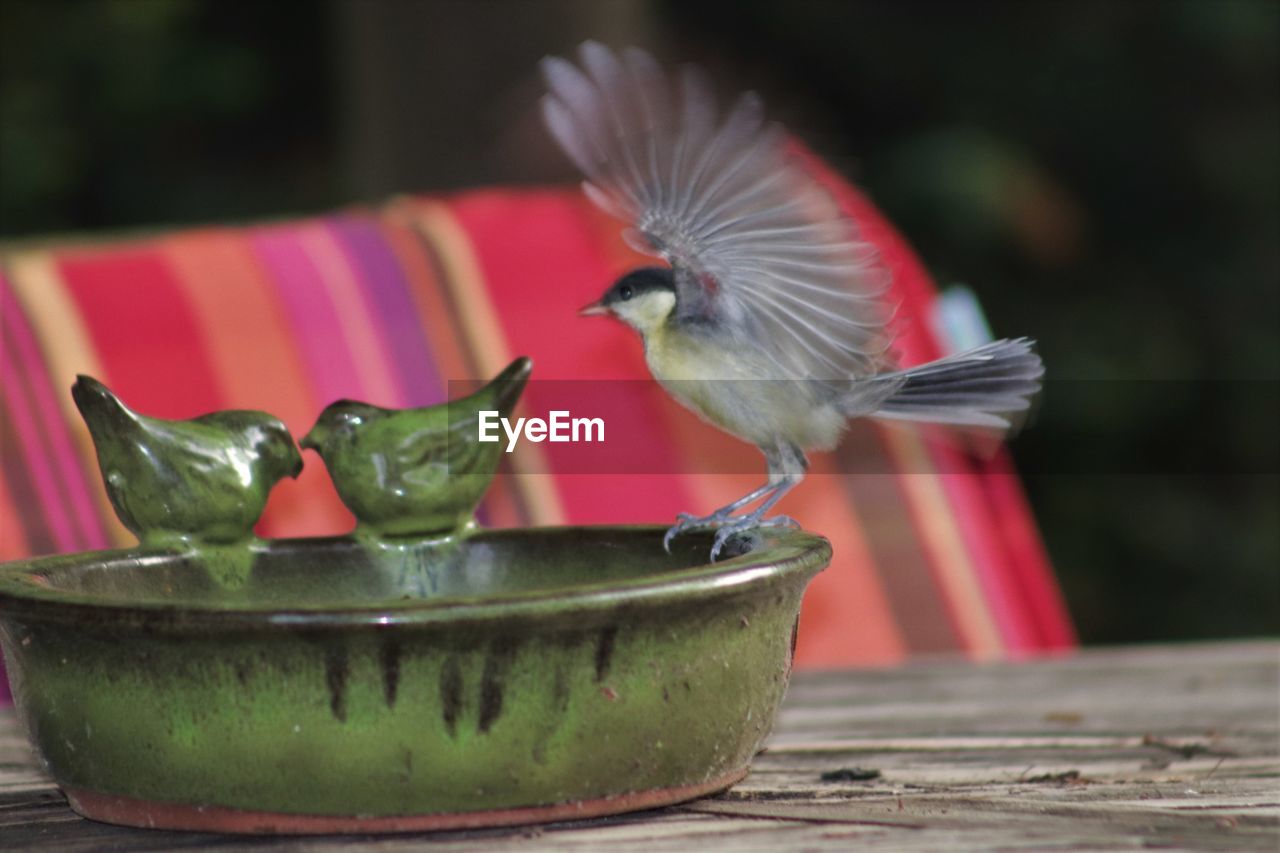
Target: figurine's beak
(311, 441)
(597, 307)
(296, 467)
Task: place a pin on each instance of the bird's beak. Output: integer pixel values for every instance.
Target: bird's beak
(597, 307)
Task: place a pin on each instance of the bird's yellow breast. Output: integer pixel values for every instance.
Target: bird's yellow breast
(727, 386)
(679, 357)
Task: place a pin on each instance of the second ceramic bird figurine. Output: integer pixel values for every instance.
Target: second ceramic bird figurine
(200, 482)
(408, 473)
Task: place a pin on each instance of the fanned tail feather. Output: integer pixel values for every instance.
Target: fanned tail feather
(988, 386)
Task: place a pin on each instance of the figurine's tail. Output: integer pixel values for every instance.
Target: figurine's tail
(508, 385)
(102, 411)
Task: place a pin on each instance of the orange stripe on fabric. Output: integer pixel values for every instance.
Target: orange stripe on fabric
(977, 523)
(941, 538)
(68, 350)
(479, 325)
(483, 336)
(371, 358)
(254, 353)
(13, 541)
(248, 339)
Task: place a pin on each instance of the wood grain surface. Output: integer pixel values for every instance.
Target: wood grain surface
(1176, 747)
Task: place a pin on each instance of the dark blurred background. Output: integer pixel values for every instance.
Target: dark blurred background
(1106, 176)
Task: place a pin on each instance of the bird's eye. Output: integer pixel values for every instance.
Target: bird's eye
(625, 292)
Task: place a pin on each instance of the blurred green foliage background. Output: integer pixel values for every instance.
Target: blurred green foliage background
(1105, 175)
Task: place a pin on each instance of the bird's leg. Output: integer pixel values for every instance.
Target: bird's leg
(686, 521)
(690, 520)
(787, 465)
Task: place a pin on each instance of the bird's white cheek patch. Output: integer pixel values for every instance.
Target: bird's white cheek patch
(559, 426)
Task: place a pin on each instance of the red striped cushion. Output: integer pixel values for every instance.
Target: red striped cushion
(934, 552)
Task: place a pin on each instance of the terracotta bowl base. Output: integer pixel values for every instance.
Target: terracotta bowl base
(150, 814)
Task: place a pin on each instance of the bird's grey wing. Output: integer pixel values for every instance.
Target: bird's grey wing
(756, 243)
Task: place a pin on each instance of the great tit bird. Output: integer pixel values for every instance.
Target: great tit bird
(414, 472)
(202, 481)
(768, 319)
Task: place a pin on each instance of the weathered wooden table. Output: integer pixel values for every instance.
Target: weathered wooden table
(1170, 747)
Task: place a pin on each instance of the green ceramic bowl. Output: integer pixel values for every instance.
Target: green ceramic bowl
(540, 674)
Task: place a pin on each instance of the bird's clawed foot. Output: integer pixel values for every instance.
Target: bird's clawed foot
(687, 521)
(726, 526)
(743, 524)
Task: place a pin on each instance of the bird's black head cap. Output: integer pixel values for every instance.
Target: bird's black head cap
(637, 283)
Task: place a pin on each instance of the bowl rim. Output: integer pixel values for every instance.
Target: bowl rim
(781, 554)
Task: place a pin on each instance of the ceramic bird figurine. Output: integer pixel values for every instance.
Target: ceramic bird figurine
(201, 482)
(414, 472)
